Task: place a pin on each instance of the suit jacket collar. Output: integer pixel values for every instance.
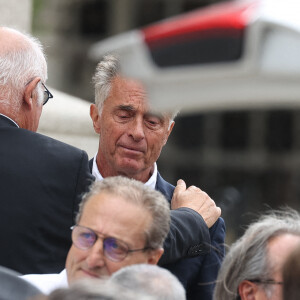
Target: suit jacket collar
(6, 121)
(164, 187)
(91, 164)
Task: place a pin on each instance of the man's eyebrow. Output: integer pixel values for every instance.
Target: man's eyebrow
(126, 107)
(155, 114)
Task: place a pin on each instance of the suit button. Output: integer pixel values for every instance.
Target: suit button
(197, 250)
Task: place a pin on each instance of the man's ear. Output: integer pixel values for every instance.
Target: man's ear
(30, 93)
(94, 113)
(247, 290)
(155, 255)
(169, 132)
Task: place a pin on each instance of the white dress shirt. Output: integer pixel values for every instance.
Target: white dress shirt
(151, 182)
(48, 282)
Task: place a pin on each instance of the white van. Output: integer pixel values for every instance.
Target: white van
(238, 54)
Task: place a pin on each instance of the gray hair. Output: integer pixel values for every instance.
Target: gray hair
(291, 275)
(107, 69)
(19, 64)
(247, 258)
(137, 193)
(150, 280)
(95, 289)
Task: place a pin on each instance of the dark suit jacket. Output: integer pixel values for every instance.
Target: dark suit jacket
(188, 236)
(41, 182)
(197, 274)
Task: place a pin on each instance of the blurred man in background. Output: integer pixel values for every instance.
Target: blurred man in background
(252, 269)
(150, 280)
(94, 289)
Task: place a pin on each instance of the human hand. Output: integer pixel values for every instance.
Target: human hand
(196, 199)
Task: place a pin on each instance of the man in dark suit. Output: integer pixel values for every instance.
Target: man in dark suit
(131, 138)
(41, 179)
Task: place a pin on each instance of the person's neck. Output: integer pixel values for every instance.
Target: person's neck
(106, 171)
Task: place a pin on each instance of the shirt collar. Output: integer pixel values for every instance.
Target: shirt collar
(151, 182)
(10, 119)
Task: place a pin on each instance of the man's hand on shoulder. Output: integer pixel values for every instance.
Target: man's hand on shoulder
(196, 199)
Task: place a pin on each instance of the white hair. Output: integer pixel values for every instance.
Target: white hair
(151, 280)
(95, 289)
(19, 64)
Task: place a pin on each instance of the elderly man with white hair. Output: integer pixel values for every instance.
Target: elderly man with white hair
(42, 179)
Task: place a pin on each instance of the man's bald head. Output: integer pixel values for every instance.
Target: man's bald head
(22, 61)
(22, 56)
(12, 39)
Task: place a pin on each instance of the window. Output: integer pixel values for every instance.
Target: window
(279, 131)
(234, 130)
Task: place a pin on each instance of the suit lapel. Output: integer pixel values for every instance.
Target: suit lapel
(164, 187)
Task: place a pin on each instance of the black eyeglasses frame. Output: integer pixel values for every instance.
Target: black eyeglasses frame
(266, 281)
(49, 95)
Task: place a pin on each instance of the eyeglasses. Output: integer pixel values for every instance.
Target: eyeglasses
(267, 281)
(47, 94)
(114, 249)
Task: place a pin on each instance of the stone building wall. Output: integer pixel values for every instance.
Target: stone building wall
(16, 14)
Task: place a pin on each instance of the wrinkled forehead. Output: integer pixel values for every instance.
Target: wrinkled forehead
(116, 215)
(110, 201)
(135, 92)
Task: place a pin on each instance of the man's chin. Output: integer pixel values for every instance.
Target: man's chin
(130, 168)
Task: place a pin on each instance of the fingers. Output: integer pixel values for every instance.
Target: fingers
(194, 188)
(181, 184)
(178, 199)
(219, 211)
(180, 187)
(210, 212)
(196, 199)
(211, 217)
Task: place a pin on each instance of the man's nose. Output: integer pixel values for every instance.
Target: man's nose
(95, 256)
(136, 129)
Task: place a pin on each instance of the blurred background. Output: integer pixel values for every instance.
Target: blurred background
(235, 66)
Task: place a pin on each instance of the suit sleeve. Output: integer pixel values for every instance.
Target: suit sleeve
(208, 271)
(188, 236)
